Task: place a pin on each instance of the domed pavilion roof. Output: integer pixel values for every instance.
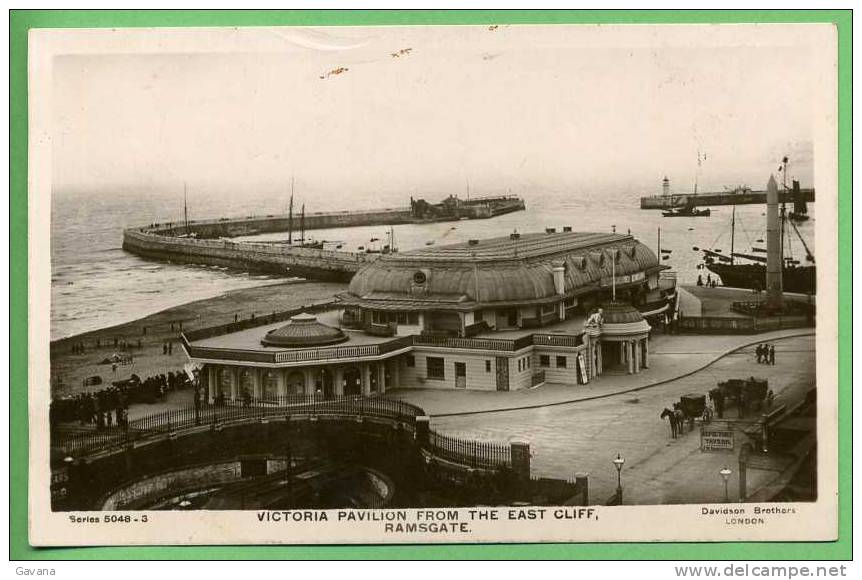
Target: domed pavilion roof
(622, 319)
(620, 313)
(304, 330)
(512, 270)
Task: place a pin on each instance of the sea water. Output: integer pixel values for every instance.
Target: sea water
(95, 284)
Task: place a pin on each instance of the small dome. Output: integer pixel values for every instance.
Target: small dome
(621, 320)
(304, 330)
(620, 313)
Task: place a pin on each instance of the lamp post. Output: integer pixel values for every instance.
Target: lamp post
(725, 475)
(197, 385)
(618, 463)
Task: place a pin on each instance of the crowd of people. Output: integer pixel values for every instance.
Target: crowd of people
(765, 354)
(710, 281)
(109, 406)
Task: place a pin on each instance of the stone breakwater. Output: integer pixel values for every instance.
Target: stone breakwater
(208, 242)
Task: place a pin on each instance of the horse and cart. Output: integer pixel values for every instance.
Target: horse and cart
(689, 408)
(747, 394)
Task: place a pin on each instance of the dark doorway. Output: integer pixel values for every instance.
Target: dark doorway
(611, 356)
(460, 375)
(502, 373)
(352, 381)
(323, 383)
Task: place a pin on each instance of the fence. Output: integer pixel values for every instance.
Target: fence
(189, 417)
(477, 454)
(740, 325)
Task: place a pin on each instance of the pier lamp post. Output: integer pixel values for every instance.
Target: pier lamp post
(725, 475)
(618, 463)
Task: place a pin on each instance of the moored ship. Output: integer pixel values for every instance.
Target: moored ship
(751, 273)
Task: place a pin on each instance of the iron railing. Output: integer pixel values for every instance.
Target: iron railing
(477, 454)
(175, 420)
(298, 355)
(569, 340)
(473, 453)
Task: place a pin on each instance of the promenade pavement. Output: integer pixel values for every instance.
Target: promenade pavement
(586, 435)
(671, 357)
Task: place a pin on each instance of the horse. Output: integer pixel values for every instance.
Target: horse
(675, 424)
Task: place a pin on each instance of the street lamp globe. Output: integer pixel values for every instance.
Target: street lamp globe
(725, 474)
(618, 463)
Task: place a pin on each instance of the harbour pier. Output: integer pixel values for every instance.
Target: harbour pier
(208, 242)
(737, 197)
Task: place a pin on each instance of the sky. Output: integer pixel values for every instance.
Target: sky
(433, 110)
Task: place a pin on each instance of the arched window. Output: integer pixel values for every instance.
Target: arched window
(270, 386)
(246, 383)
(296, 383)
(224, 382)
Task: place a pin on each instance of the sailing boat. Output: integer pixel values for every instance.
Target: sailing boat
(751, 274)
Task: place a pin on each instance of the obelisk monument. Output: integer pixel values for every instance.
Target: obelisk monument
(774, 250)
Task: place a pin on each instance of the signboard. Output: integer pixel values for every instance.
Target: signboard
(582, 368)
(608, 281)
(716, 439)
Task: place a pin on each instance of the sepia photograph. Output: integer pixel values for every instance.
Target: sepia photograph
(398, 284)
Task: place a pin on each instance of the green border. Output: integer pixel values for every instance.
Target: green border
(22, 20)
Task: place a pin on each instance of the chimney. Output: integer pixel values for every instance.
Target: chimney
(567, 228)
(774, 253)
(559, 270)
(550, 230)
(514, 236)
(560, 278)
(473, 242)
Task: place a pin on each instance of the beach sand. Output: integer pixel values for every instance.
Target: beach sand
(68, 369)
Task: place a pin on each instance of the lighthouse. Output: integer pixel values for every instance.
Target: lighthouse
(665, 186)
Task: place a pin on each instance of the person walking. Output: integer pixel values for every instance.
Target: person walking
(700, 280)
(759, 352)
(772, 354)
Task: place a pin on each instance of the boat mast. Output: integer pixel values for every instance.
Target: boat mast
(732, 232)
(290, 216)
(302, 226)
(185, 207)
(697, 172)
(659, 243)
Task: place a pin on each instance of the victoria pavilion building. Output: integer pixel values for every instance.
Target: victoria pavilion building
(495, 314)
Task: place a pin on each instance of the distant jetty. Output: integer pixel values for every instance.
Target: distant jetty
(736, 197)
(207, 242)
